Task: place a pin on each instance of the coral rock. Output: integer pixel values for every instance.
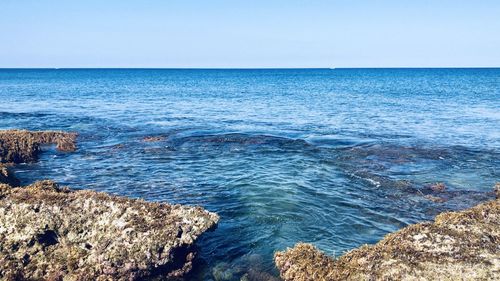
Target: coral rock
(456, 246)
(19, 146)
(53, 233)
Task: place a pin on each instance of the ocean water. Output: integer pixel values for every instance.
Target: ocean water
(334, 157)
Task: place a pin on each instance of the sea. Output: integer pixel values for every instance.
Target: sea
(333, 157)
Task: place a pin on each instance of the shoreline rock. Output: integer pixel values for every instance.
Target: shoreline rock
(53, 233)
(463, 245)
(21, 146)
(48, 232)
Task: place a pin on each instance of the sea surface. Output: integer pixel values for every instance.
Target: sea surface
(334, 157)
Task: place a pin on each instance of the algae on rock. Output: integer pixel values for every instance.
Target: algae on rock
(462, 245)
(53, 233)
(48, 232)
(20, 146)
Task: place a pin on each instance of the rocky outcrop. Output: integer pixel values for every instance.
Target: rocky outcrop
(461, 245)
(53, 233)
(21, 146)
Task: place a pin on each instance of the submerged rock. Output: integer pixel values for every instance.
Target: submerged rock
(461, 245)
(53, 233)
(437, 187)
(255, 275)
(153, 138)
(435, 199)
(19, 146)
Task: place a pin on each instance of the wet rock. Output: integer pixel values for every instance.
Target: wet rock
(118, 146)
(53, 233)
(223, 272)
(7, 177)
(435, 199)
(255, 275)
(435, 192)
(20, 146)
(456, 246)
(497, 190)
(438, 187)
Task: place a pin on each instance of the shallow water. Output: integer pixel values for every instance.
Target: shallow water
(337, 157)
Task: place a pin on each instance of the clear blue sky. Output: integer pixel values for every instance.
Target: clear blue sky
(251, 33)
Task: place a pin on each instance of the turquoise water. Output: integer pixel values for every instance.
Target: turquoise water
(337, 158)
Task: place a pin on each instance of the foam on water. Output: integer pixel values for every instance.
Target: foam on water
(336, 157)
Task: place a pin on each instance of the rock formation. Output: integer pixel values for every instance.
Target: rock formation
(461, 245)
(20, 146)
(53, 233)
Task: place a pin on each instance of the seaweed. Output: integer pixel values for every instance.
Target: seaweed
(21, 146)
(47, 230)
(456, 246)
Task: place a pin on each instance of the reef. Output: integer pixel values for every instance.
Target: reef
(21, 146)
(461, 245)
(49, 232)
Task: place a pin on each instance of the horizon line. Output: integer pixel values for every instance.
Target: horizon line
(251, 68)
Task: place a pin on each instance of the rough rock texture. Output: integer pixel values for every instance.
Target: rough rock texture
(19, 146)
(7, 177)
(53, 233)
(461, 245)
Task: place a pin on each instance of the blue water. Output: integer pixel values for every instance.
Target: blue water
(337, 158)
